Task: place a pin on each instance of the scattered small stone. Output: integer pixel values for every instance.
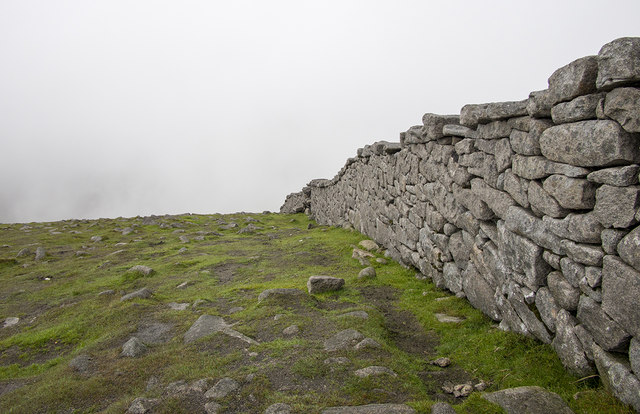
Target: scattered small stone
(381, 260)
(278, 408)
(222, 388)
(367, 273)
(183, 285)
(199, 238)
(355, 314)
(178, 306)
(441, 317)
(81, 253)
(177, 231)
(10, 321)
(367, 343)
(235, 309)
(152, 384)
(81, 364)
(41, 253)
(24, 252)
(371, 409)
(116, 252)
(127, 230)
(462, 390)
(442, 362)
(369, 245)
(291, 330)
(184, 239)
(481, 386)
(133, 348)
(96, 239)
(212, 407)
(144, 270)
(143, 293)
(279, 316)
(374, 370)
(176, 388)
(182, 250)
(342, 340)
(142, 405)
(319, 284)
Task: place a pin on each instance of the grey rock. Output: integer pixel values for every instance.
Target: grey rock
(278, 408)
(133, 348)
(565, 295)
(10, 321)
(466, 146)
(444, 318)
(369, 245)
(579, 109)
(433, 125)
(634, 355)
(96, 239)
(568, 346)
(82, 364)
(543, 201)
(472, 202)
(534, 168)
(623, 105)
(143, 270)
(155, 333)
(213, 407)
(222, 388)
(619, 63)
(367, 273)
(616, 176)
(620, 293)
(528, 400)
(452, 277)
(442, 408)
(441, 362)
(575, 79)
(606, 332)
(142, 405)
(522, 123)
(371, 409)
(374, 370)
(474, 114)
(199, 386)
(498, 201)
(178, 306)
(280, 294)
(583, 253)
(521, 255)
(571, 193)
(533, 325)
(479, 293)
(367, 343)
(540, 103)
(593, 275)
(493, 130)
(617, 206)
(107, 292)
(572, 271)
(319, 284)
(552, 259)
(41, 253)
(611, 238)
(583, 228)
(503, 154)
(343, 340)
(589, 144)
(208, 324)
(355, 314)
(143, 293)
(516, 187)
(547, 307)
(629, 248)
(24, 252)
(455, 130)
(616, 375)
(291, 330)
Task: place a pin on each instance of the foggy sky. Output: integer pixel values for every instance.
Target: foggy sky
(125, 108)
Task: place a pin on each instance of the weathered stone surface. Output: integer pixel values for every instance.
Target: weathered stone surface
(533, 325)
(569, 348)
(369, 245)
(620, 293)
(222, 388)
(41, 253)
(528, 400)
(456, 130)
(522, 222)
(583, 253)
(623, 105)
(565, 295)
(503, 154)
(479, 293)
(493, 130)
(497, 200)
(374, 370)
(367, 343)
(552, 259)
(367, 273)
(143, 270)
(547, 307)
(522, 255)
(516, 187)
(474, 114)
(143, 293)
(616, 176)
(542, 201)
(634, 355)
(522, 123)
(133, 348)
(452, 277)
(619, 63)
(617, 206)
(280, 294)
(142, 405)
(575, 79)
(10, 321)
(525, 143)
(472, 202)
(278, 408)
(589, 144)
(583, 228)
(534, 168)
(212, 407)
(605, 331)
(442, 408)
(209, 324)
(571, 193)
(342, 340)
(540, 103)
(629, 248)
(579, 109)
(319, 284)
(572, 271)
(610, 239)
(371, 409)
(616, 375)
(433, 124)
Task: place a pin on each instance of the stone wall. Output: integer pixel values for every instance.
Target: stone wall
(529, 209)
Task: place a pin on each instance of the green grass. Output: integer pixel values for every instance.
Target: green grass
(64, 317)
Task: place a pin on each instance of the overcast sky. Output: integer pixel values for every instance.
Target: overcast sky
(123, 108)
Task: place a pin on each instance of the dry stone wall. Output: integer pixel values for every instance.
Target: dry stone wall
(529, 209)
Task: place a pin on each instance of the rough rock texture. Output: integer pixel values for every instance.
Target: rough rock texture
(616, 374)
(208, 324)
(522, 206)
(371, 409)
(528, 400)
(143, 293)
(319, 284)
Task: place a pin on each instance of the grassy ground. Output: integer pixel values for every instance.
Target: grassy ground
(63, 317)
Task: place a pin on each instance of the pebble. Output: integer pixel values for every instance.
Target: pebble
(10, 321)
